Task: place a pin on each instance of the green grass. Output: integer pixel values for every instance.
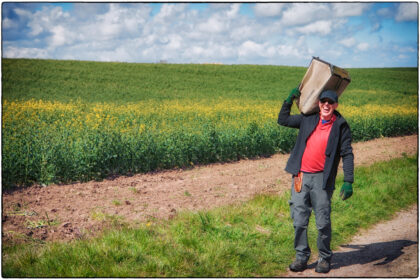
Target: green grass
(253, 239)
(382, 86)
(67, 81)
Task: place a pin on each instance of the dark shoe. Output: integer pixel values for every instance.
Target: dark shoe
(323, 266)
(298, 265)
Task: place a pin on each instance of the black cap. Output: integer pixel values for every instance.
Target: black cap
(330, 94)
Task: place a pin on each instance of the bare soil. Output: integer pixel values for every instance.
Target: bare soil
(81, 210)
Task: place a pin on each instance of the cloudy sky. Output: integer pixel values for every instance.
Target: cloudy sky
(357, 34)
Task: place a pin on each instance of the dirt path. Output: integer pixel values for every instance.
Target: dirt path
(64, 212)
(388, 249)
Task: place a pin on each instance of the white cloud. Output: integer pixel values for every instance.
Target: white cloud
(250, 48)
(280, 33)
(169, 12)
(348, 42)
(209, 53)
(109, 29)
(301, 41)
(363, 46)
(19, 52)
(268, 9)
(59, 36)
(233, 11)
(46, 19)
(197, 51)
(226, 51)
(253, 49)
(212, 25)
(332, 54)
(87, 11)
(408, 49)
(243, 32)
(119, 54)
(175, 42)
(288, 50)
(322, 27)
(303, 13)
(8, 23)
(407, 12)
(384, 12)
(349, 9)
(120, 21)
(22, 12)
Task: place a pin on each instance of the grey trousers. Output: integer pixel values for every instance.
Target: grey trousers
(312, 196)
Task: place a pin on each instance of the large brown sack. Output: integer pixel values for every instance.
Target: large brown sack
(320, 76)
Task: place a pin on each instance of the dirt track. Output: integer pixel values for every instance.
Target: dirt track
(65, 212)
(388, 249)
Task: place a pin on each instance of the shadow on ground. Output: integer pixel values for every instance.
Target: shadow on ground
(383, 252)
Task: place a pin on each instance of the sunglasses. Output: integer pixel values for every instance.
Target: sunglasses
(327, 100)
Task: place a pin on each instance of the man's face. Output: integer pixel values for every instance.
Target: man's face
(327, 107)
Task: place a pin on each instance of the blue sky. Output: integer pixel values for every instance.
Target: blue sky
(347, 34)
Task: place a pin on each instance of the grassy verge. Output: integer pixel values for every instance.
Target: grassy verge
(246, 240)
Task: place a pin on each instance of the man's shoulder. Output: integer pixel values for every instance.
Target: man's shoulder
(310, 115)
(340, 117)
(341, 121)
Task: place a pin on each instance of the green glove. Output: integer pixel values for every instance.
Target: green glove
(295, 93)
(346, 191)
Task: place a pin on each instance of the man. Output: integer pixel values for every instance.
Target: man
(322, 140)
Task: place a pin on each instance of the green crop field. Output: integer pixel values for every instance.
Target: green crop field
(66, 121)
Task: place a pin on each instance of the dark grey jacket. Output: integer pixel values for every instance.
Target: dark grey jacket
(339, 144)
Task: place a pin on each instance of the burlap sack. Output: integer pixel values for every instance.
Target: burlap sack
(320, 76)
